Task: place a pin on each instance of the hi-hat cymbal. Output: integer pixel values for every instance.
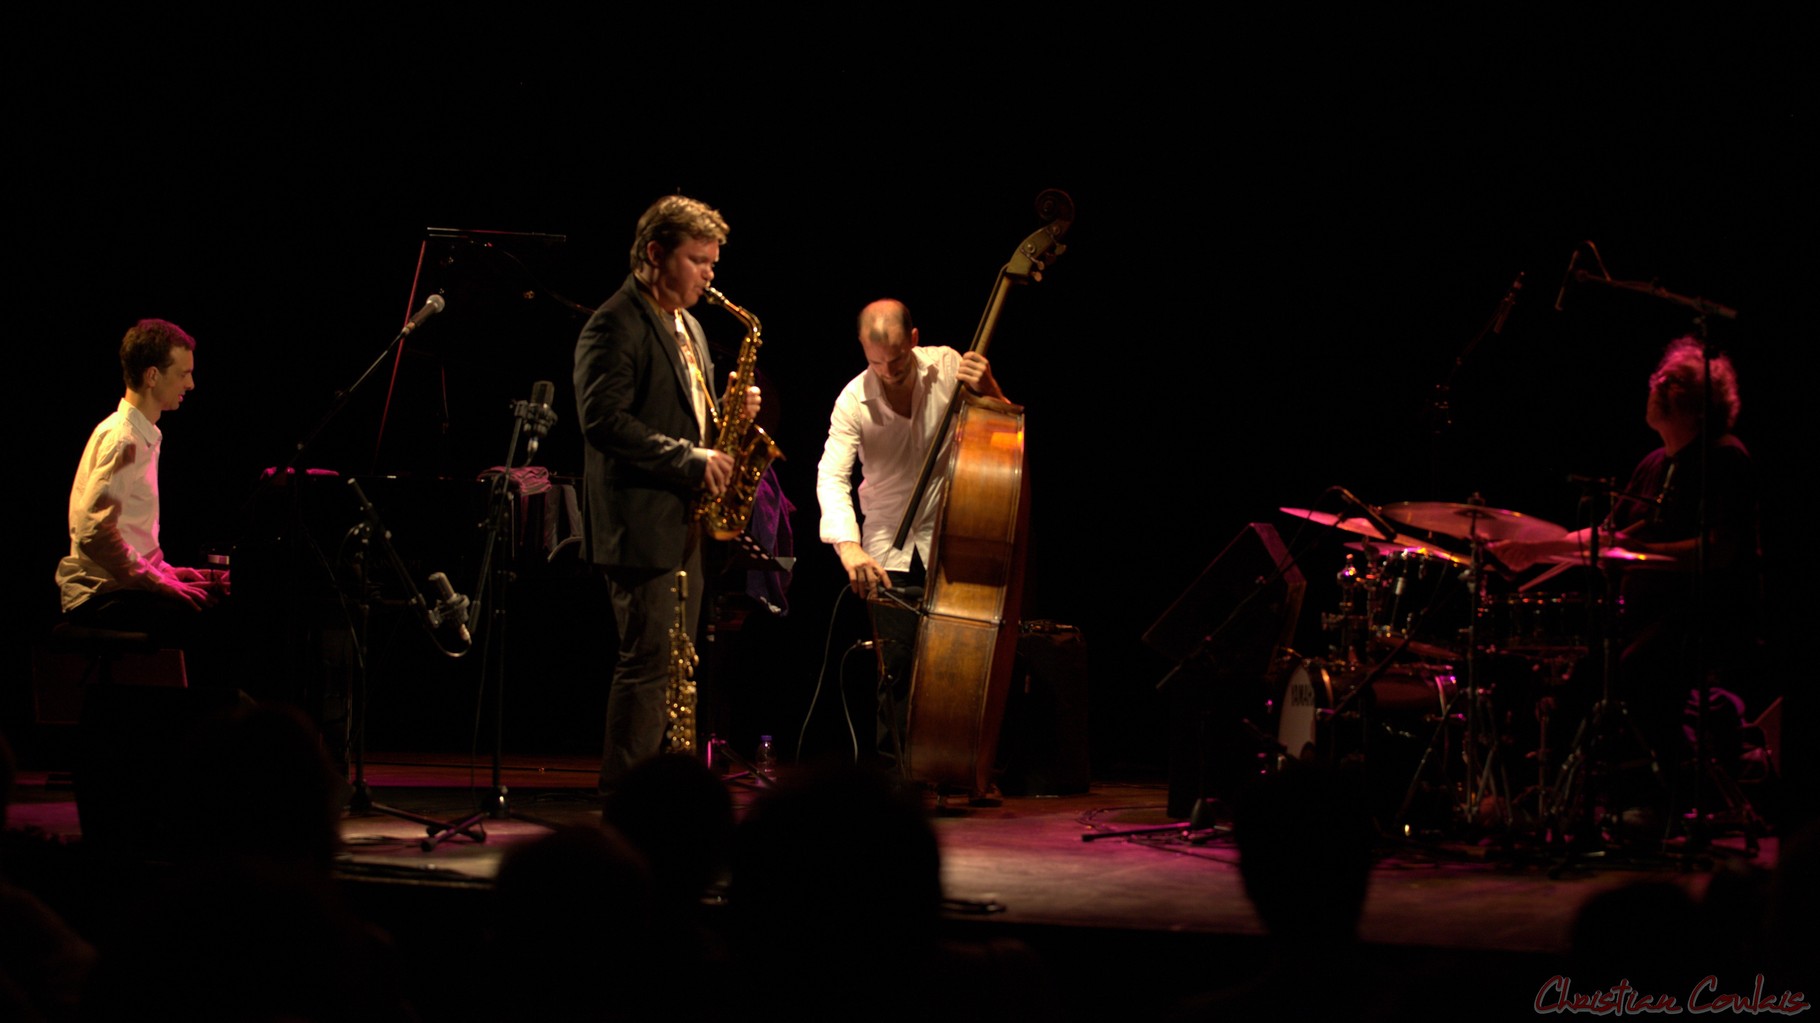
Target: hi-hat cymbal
(1625, 558)
(1469, 521)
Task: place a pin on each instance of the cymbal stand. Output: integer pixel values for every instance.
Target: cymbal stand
(1483, 775)
(1572, 813)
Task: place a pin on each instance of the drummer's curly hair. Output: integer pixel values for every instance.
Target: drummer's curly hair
(1681, 364)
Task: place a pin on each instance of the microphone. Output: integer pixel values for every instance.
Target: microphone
(452, 606)
(541, 416)
(1572, 262)
(1372, 515)
(431, 306)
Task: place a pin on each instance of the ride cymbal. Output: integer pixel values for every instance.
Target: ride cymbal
(1472, 521)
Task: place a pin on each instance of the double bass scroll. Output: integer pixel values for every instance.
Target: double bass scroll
(1027, 263)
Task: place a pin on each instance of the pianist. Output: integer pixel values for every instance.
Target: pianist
(115, 576)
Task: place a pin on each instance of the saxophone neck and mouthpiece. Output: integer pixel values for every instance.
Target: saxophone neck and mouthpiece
(715, 297)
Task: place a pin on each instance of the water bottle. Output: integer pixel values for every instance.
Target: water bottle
(765, 763)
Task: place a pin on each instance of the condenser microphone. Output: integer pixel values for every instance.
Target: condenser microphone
(541, 416)
(431, 306)
(452, 607)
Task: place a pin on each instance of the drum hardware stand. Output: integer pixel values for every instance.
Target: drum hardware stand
(1477, 783)
(1737, 806)
(1609, 722)
(1481, 779)
(495, 567)
(1485, 778)
(368, 531)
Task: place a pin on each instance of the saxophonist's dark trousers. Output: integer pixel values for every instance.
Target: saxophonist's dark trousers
(644, 608)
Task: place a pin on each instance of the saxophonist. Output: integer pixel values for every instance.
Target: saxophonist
(648, 416)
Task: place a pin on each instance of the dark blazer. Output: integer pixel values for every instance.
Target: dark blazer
(633, 392)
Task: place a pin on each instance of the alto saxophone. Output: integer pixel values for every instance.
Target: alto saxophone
(679, 694)
(741, 439)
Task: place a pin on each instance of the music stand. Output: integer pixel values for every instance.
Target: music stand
(1233, 619)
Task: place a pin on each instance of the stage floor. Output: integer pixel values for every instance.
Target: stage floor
(1030, 868)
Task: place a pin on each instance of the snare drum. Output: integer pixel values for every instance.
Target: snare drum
(1537, 623)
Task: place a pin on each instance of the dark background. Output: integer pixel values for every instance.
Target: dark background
(1289, 230)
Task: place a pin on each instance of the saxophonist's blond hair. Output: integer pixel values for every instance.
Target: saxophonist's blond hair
(670, 220)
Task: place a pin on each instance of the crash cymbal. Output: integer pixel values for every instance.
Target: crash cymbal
(1467, 521)
(1406, 546)
(1361, 526)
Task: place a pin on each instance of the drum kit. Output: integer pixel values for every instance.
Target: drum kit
(1438, 685)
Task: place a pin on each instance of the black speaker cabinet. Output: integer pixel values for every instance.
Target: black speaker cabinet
(1043, 744)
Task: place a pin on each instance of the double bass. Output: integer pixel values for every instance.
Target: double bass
(967, 631)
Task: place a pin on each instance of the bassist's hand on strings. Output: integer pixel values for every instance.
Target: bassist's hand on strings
(863, 573)
(976, 373)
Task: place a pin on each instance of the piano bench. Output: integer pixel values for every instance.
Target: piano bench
(72, 657)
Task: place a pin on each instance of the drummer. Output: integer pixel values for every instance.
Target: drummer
(1658, 513)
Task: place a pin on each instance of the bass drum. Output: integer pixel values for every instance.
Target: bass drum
(1303, 704)
(1380, 730)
